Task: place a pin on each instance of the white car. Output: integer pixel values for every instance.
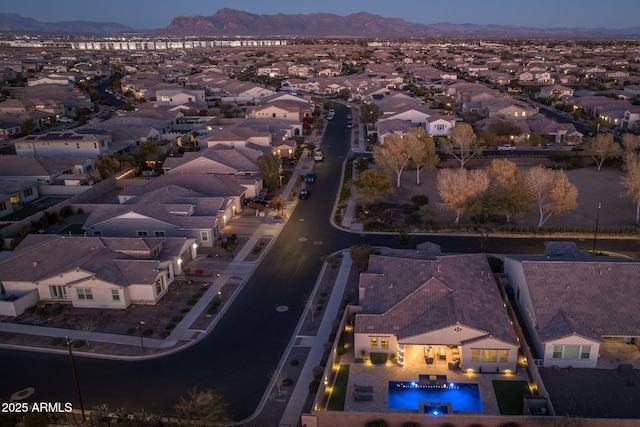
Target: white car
(65, 120)
(507, 147)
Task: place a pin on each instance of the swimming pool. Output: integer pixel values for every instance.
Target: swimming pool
(409, 394)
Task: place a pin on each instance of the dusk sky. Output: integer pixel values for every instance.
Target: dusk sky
(151, 14)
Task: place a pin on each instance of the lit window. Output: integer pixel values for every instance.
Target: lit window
(503, 356)
(475, 355)
(384, 342)
(373, 342)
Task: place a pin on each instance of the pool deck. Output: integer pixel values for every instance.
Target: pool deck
(378, 376)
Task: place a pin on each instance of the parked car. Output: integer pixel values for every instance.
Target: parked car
(65, 120)
(304, 194)
(318, 156)
(349, 125)
(507, 147)
(310, 177)
(261, 200)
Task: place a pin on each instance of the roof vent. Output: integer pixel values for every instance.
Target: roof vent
(34, 263)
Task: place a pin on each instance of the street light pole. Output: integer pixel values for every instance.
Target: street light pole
(595, 233)
(140, 324)
(75, 378)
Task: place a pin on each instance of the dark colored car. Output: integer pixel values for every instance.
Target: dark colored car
(310, 177)
(304, 194)
(262, 200)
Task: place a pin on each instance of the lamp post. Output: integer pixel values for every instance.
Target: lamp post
(75, 377)
(595, 233)
(281, 177)
(140, 324)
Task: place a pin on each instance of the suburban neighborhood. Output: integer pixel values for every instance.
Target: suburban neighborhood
(481, 199)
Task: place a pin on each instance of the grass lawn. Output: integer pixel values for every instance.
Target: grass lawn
(339, 392)
(510, 396)
(72, 229)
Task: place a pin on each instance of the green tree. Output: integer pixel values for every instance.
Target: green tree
(360, 254)
(270, 166)
(371, 184)
(204, 408)
(150, 150)
(27, 125)
(369, 112)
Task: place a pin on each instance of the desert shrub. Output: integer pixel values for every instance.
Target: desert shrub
(378, 358)
(147, 332)
(420, 199)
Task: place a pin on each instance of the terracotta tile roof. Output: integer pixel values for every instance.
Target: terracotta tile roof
(407, 297)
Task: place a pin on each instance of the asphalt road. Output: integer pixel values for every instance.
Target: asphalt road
(236, 358)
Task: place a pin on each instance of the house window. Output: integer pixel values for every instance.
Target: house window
(142, 233)
(28, 192)
(373, 342)
(571, 352)
(158, 233)
(159, 286)
(115, 294)
(3, 206)
(489, 355)
(204, 236)
(97, 232)
(384, 343)
(85, 293)
(58, 292)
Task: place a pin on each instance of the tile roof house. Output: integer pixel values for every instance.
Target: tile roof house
(435, 300)
(170, 211)
(573, 304)
(90, 272)
(14, 194)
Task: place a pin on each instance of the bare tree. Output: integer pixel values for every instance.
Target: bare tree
(87, 326)
(631, 181)
(312, 306)
(630, 145)
(601, 148)
(394, 155)
(278, 378)
(507, 193)
(553, 191)
(422, 151)
(464, 143)
(278, 203)
(457, 187)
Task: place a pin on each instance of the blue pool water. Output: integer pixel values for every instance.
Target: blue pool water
(408, 395)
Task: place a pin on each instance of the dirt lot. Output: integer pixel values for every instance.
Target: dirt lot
(593, 187)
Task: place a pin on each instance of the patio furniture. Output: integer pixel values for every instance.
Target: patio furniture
(431, 379)
(455, 365)
(428, 360)
(363, 388)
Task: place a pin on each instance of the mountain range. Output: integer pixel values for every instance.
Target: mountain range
(231, 22)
